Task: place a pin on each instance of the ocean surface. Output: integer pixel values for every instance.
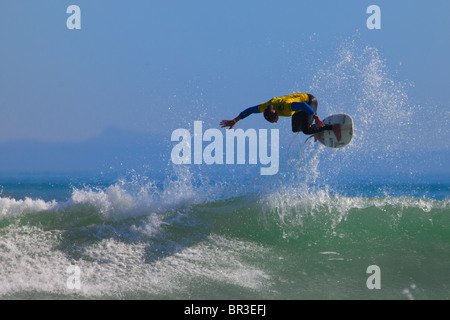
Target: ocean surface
(185, 238)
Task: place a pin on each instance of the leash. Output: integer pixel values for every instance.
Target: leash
(301, 152)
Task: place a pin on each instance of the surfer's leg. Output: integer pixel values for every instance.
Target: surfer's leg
(301, 121)
(316, 129)
(297, 121)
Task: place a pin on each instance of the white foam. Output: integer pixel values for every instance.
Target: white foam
(10, 207)
(115, 268)
(291, 206)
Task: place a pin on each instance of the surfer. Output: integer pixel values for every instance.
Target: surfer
(302, 107)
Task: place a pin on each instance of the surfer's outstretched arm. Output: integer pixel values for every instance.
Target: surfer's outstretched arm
(244, 114)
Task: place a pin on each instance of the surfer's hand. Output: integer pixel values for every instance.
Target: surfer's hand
(319, 122)
(228, 123)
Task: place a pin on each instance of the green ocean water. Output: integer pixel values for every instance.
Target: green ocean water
(178, 240)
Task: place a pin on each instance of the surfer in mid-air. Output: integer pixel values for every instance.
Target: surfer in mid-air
(302, 107)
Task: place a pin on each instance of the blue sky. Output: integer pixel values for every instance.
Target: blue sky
(153, 66)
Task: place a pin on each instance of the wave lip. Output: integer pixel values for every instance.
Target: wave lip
(297, 213)
(10, 207)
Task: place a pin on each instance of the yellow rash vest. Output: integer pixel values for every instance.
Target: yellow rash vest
(286, 106)
(283, 105)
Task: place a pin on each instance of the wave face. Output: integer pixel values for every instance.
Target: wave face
(175, 240)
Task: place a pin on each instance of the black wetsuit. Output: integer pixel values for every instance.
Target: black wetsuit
(302, 121)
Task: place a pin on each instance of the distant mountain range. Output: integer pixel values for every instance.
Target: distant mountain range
(116, 150)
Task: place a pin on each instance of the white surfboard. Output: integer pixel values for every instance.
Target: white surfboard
(327, 137)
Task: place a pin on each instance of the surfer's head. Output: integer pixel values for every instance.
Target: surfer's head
(270, 114)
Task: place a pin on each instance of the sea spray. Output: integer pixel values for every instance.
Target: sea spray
(358, 82)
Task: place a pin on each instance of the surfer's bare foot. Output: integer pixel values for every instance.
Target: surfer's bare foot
(337, 131)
